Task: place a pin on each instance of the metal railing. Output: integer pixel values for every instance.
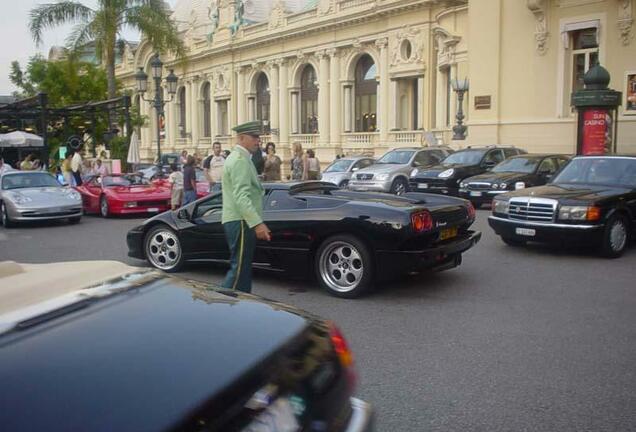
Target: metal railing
(415, 138)
(307, 140)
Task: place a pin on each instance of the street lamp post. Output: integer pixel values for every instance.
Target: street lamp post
(158, 102)
(460, 87)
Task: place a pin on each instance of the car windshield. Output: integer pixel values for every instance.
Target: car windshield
(396, 157)
(124, 180)
(29, 180)
(464, 157)
(599, 171)
(341, 165)
(517, 165)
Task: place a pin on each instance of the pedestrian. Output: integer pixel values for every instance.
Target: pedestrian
(242, 216)
(4, 167)
(176, 186)
(67, 172)
(258, 159)
(213, 167)
(313, 165)
(100, 169)
(271, 171)
(76, 166)
(27, 163)
(298, 162)
(183, 158)
(189, 181)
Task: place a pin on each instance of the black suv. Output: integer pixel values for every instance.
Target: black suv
(446, 177)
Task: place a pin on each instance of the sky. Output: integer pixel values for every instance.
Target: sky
(17, 43)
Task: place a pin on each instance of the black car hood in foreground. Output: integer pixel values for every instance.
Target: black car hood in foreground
(570, 192)
(507, 177)
(138, 360)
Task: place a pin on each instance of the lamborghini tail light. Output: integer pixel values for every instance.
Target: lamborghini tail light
(421, 221)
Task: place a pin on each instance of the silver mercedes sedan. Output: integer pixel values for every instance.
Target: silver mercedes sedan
(36, 195)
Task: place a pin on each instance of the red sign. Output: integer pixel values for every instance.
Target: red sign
(596, 128)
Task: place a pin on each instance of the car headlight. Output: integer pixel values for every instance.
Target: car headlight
(500, 206)
(447, 173)
(579, 213)
(495, 186)
(520, 185)
(130, 204)
(18, 198)
(414, 172)
(382, 177)
(503, 185)
(463, 185)
(71, 194)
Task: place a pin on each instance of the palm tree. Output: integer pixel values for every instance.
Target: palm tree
(102, 26)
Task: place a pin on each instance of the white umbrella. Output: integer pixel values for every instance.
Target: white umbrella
(133, 150)
(21, 139)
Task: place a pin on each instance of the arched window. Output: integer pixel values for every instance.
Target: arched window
(308, 101)
(207, 125)
(181, 99)
(262, 99)
(366, 92)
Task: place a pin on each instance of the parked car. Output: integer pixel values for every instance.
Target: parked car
(445, 177)
(36, 195)
(99, 345)
(347, 239)
(590, 202)
(390, 173)
(341, 170)
(121, 194)
(517, 172)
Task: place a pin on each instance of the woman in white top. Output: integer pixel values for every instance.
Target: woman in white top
(313, 166)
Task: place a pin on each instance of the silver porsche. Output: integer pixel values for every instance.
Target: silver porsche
(36, 195)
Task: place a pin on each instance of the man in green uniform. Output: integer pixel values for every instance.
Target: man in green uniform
(242, 207)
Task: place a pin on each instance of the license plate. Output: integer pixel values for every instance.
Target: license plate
(525, 232)
(422, 185)
(279, 417)
(475, 193)
(448, 233)
(153, 209)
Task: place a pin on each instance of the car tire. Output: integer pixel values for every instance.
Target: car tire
(4, 216)
(343, 184)
(74, 220)
(162, 248)
(104, 209)
(343, 266)
(615, 237)
(511, 241)
(399, 186)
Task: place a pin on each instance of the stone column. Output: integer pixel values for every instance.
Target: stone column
(335, 105)
(283, 105)
(295, 93)
(214, 126)
(195, 110)
(393, 116)
(383, 111)
(251, 106)
(187, 124)
(240, 97)
(274, 98)
(420, 103)
(348, 126)
(323, 99)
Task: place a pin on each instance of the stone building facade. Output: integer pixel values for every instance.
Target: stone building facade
(363, 76)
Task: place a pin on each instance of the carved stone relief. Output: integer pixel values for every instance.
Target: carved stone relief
(445, 45)
(407, 36)
(277, 15)
(539, 9)
(625, 20)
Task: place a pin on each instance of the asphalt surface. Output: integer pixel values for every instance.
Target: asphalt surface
(516, 339)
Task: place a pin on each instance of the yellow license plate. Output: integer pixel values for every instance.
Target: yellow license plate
(447, 233)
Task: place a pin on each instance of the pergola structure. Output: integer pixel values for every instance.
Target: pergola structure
(34, 115)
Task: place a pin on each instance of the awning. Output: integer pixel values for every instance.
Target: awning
(21, 139)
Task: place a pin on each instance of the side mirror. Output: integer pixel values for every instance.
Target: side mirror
(489, 165)
(183, 214)
(354, 169)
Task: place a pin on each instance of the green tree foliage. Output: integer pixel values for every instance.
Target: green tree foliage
(103, 24)
(66, 82)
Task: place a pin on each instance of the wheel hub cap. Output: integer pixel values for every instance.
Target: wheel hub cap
(618, 236)
(163, 250)
(341, 266)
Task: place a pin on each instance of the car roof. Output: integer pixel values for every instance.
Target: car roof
(614, 156)
(539, 155)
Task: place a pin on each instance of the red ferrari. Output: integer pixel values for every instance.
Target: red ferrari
(203, 186)
(123, 194)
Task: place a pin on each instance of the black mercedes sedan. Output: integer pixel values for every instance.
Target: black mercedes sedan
(446, 177)
(517, 172)
(590, 202)
(102, 346)
(347, 239)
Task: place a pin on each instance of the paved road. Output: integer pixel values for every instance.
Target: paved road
(516, 339)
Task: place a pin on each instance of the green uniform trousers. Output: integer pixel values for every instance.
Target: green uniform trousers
(241, 240)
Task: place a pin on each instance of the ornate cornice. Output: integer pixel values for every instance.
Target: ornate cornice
(382, 43)
(625, 20)
(539, 9)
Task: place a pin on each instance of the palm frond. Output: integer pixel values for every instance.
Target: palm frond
(50, 15)
(154, 22)
(80, 35)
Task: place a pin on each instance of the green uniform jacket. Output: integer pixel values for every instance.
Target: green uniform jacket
(242, 192)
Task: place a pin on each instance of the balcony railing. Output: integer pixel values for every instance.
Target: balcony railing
(307, 140)
(360, 139)
(415, 138)
(348, 4)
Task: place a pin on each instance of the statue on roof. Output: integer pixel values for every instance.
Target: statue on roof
(213, 14)
(239, 10)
